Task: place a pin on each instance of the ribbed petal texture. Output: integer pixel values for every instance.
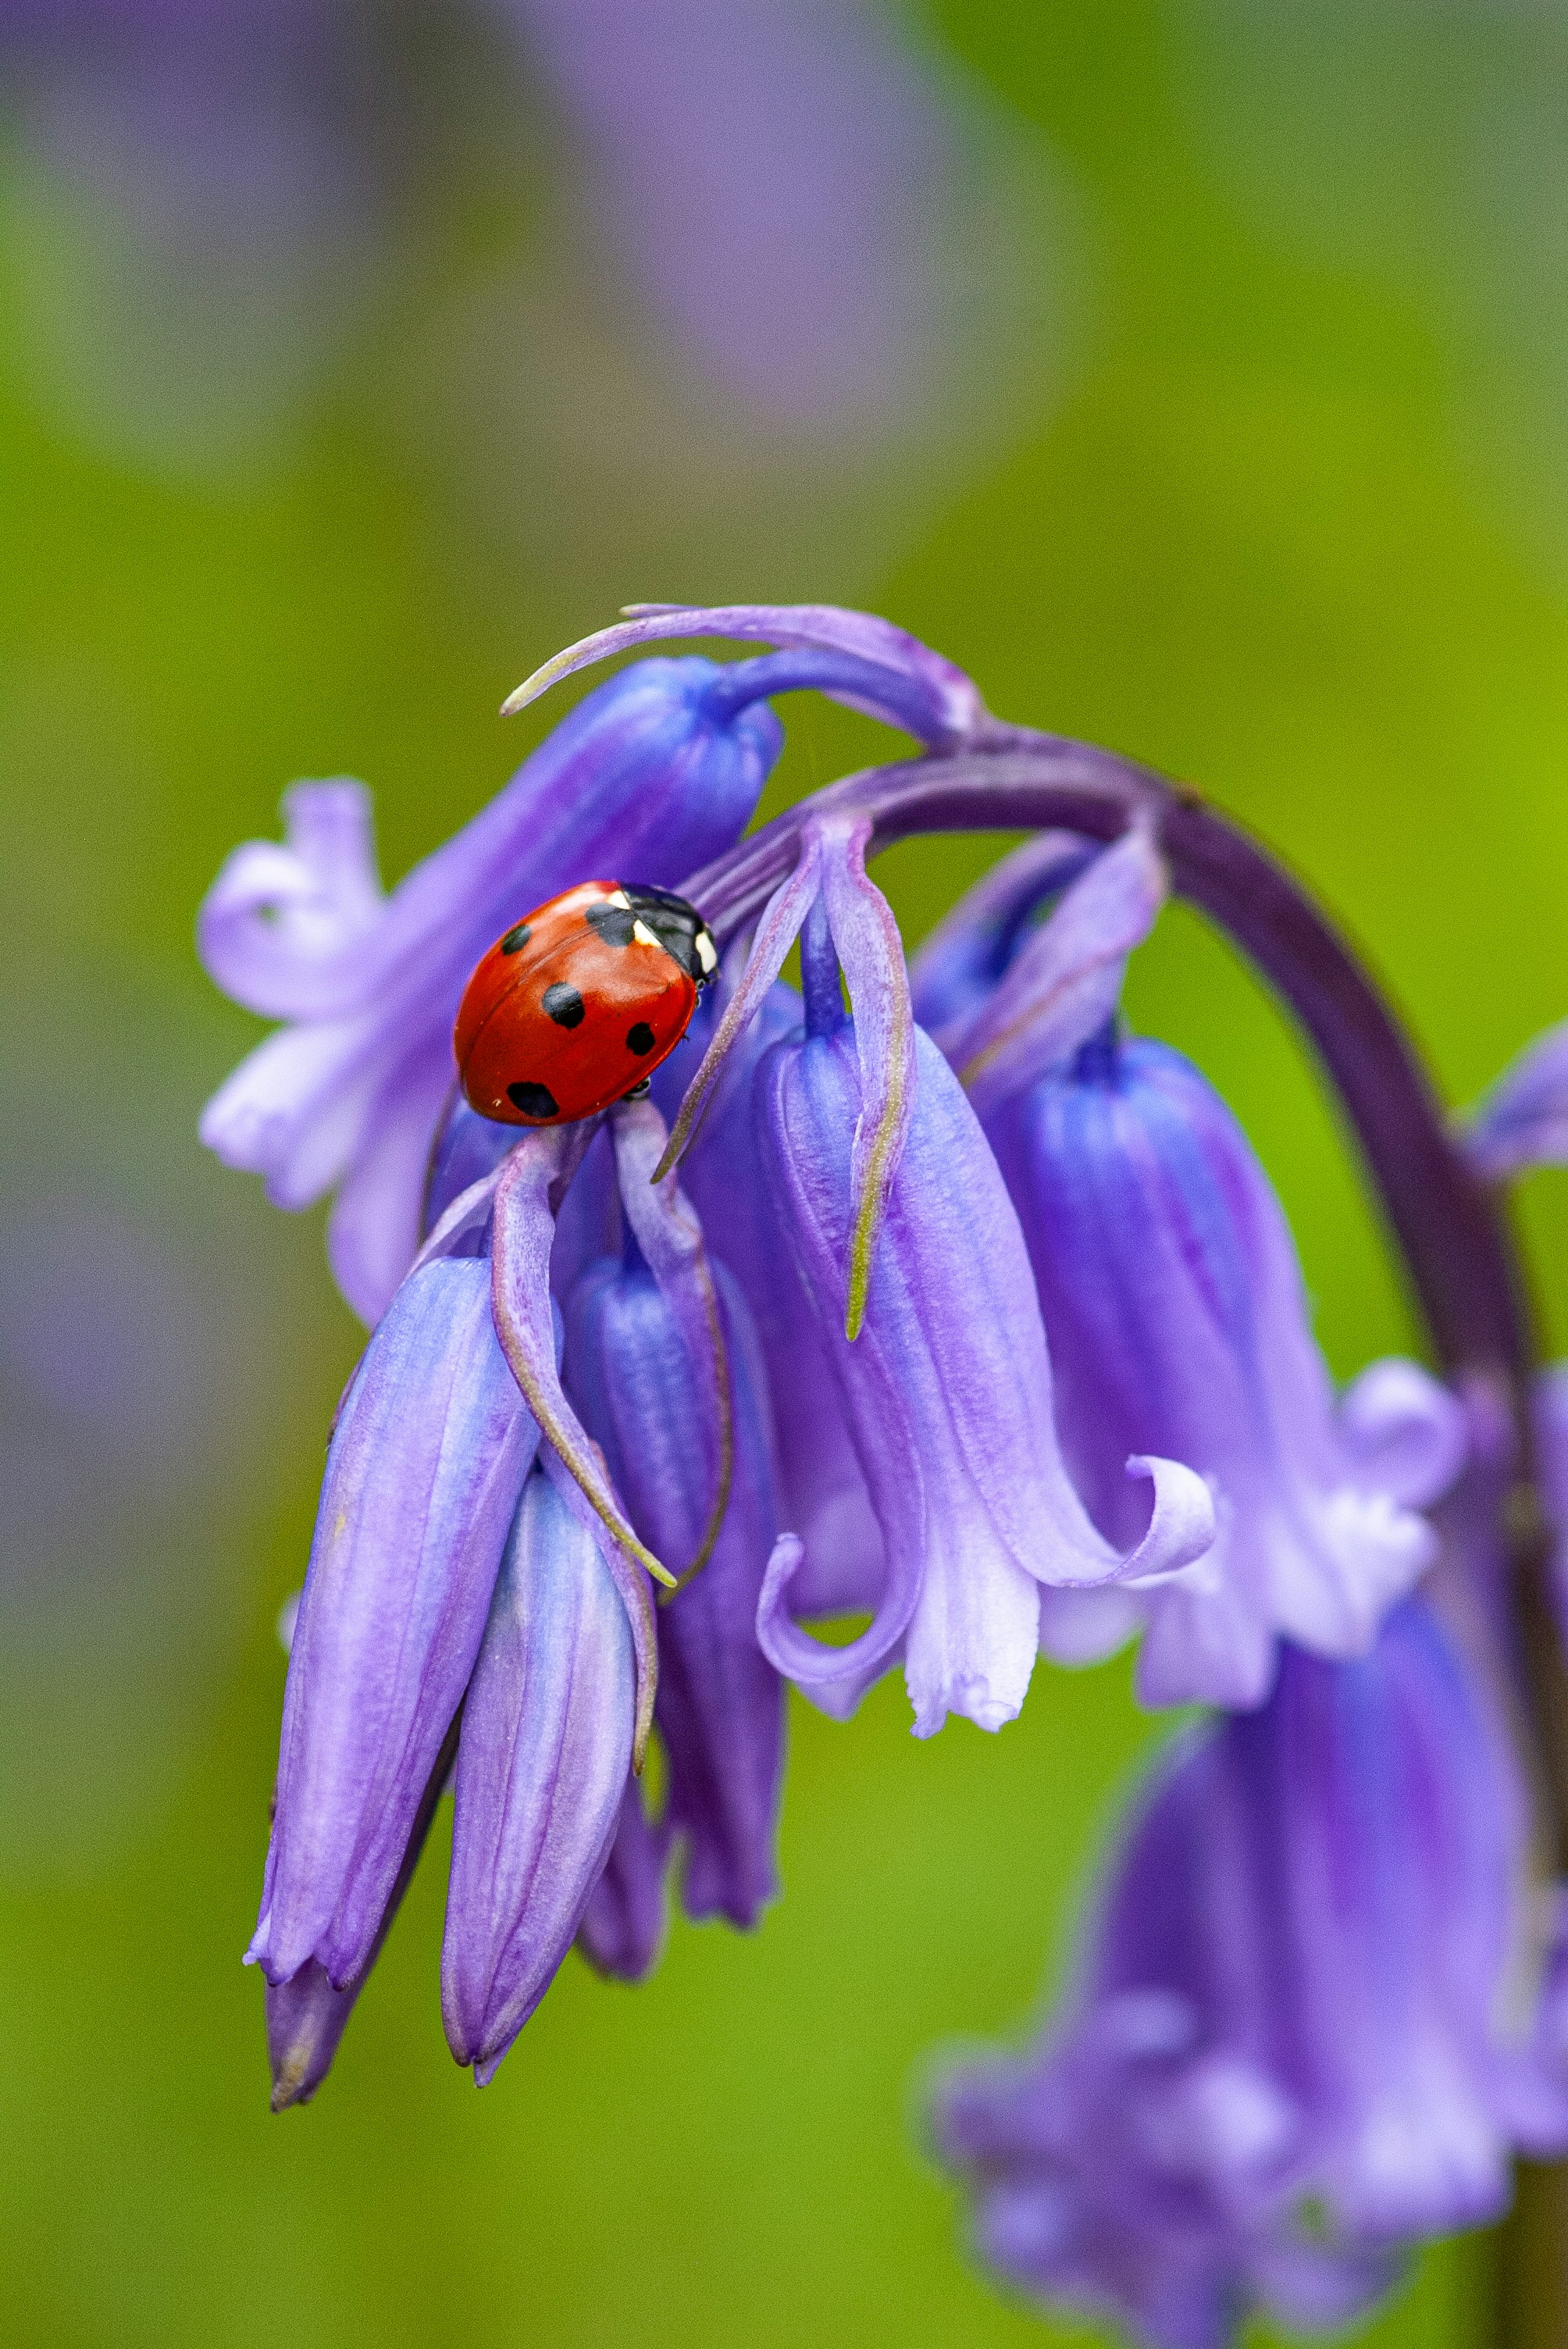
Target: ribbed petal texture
(948, 1396)
(719, 1709)
(1178, 1325)
(542, 1761)
(422, 1481)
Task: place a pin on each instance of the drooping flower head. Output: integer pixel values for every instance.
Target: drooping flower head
(959, 1308)
(479, 1609)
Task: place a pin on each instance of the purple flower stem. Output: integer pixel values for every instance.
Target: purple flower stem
(1450, 1226)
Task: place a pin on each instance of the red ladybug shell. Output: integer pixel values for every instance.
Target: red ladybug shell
(577, 1003)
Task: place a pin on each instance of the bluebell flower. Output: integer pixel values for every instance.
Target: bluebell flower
(423, 1479)
(467, 1616)
(1296, 2040)
(1173, 1302)
(543, 1755)
(648, 777)
(681, 1415)
(899, 1234)
(821, 1491)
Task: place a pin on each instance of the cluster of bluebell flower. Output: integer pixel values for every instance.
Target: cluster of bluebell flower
(937, 1298)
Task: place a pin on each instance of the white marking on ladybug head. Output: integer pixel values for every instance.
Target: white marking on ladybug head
(706, 954)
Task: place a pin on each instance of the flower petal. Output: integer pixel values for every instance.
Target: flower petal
(373, 1231)
(306, 2016)
(1405, 1435)
(640, 778)
(422, 1478)
(1291, 1994)
(623, 1928)
(277, 928)
(947, 1395)
(669, 1236)
(1177, 1324)
(720, 1705)
(1522, 1122)
(821, 1492)
(776, 932)
(523, 1233)
(950, 698)
(1064, 981)
(542, 1759)
(869, 947)
(960, 961)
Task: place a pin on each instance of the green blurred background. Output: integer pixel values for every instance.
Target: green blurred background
(1197, 374)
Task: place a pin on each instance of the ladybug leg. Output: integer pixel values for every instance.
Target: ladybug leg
(639, 1092)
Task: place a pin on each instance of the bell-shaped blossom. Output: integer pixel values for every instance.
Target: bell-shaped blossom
(821, 1493)
(645, 1394)
(1295, 2042)
(543, 1755)
(902, 1236)
(649, 777)
(1178, 1325)
(427, 1463)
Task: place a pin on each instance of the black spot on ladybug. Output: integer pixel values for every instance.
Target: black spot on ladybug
(517, 938)
(534, 1100)
(614, 924)
(640, 1038)
(564, 1004)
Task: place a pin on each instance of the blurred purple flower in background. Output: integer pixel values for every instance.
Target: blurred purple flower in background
(1292, 2046)
(775, 178)
(783, 244)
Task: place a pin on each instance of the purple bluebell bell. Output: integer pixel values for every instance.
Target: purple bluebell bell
(900, 1234)
(543, 1757)
(646, 777)
(1292, 2044)
(423, 1477)
(1177, 1322)
(822, 1493)
(648, 1396)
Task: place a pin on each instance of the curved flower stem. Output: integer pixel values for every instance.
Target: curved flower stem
(1449, 1226)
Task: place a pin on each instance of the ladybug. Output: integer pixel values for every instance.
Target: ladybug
(580, 1001)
